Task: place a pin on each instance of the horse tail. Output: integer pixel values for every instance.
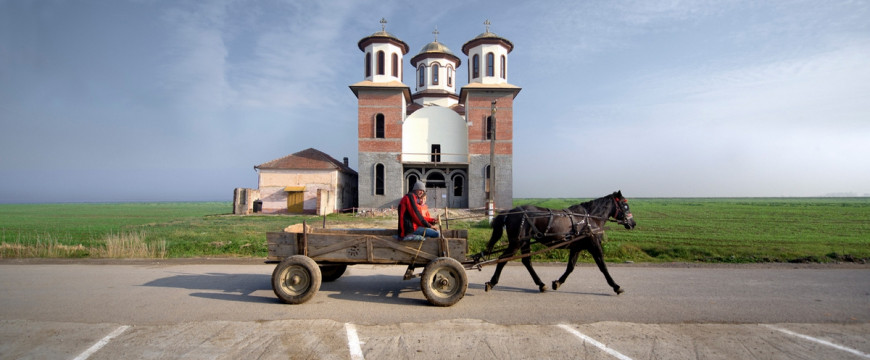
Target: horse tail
(497, 230)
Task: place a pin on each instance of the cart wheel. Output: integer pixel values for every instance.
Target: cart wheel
(444, 281)
(296, 279)
(332, 272)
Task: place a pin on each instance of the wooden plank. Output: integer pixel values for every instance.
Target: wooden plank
(361, 246)
(375, 232)
(321, 244)
(281, 245)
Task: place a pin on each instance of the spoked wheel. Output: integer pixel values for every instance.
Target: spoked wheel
(444, 281)
(332, 272)
(296, 279)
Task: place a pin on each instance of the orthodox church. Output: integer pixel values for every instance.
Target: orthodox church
(434, 134)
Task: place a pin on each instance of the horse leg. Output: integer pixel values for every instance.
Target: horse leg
(527, 262)
(494, 280)
(572, 261)
(598, 255)
(510, 251)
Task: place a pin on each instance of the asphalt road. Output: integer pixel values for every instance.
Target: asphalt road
(226, 309)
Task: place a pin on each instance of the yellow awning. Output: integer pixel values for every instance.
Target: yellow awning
(294, 188)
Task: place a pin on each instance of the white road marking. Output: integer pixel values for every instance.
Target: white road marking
(595, 343)
(353, 342)
(820, 341)
(99, 345)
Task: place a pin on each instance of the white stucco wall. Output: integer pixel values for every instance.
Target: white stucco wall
(434, 125)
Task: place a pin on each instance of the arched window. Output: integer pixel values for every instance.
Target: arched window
(503, 67)
(475, 67)
(368, 64)
(379, 179)
(449, 75)
(422, 75)
(395, 65)
(488, 129)
(490, 64)
(412, 179)
(379, 126)
(435, 71)
(381, 64)
(458, 185)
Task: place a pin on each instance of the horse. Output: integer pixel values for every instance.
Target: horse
(579, 227)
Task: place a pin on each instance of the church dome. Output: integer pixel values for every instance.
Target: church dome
(487, 38)
(383, 37)
(436, 49)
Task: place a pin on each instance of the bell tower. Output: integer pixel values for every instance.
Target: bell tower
(382, 102)
(488, 100)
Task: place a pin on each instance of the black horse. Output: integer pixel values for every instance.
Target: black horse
(580, 227)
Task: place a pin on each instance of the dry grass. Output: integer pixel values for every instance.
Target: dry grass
(122, 245)
(131, 245)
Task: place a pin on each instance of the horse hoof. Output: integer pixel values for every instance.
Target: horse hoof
(487, 287)
(542, 287)
(556, 285)
(619, 290)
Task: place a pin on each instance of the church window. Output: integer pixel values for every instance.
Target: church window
(449, 76)
(458, 185)
(488, 128)
(381, 61)
(503, 67)
(368, 64)
(379, 179)
(395, 65)
(379, 126)
(490, 64)
(436, 152)
(412, 179)
(422, 75)
(475, 67)
(435, 71)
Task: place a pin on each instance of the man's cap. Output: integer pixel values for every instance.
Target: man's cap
(419, 186)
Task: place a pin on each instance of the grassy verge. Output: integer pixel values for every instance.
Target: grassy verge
(689, 230)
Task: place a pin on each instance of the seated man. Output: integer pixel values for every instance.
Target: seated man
(411, 220)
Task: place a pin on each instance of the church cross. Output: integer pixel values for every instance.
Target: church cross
(383, 24)
(487, 23)
(436, 33)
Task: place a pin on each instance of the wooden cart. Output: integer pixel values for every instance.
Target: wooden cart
(306, 256)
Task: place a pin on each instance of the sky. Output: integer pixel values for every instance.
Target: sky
(104, 101)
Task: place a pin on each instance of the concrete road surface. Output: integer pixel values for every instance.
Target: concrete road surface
(226, 309)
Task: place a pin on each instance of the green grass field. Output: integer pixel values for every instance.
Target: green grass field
(684, 230)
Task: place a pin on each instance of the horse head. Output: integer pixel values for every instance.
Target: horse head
(623, 213)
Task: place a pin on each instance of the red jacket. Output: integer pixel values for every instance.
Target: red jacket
(410, 217)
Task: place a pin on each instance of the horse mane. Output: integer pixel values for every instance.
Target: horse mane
(592, 205)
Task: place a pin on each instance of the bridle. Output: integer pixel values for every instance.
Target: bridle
(620, 210)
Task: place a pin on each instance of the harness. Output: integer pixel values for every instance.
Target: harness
(577, 228)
